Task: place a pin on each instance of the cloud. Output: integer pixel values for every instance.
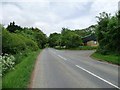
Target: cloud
(109, 6)
(52, 15)
(1, 16)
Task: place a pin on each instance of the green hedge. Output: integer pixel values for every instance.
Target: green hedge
(13, 43)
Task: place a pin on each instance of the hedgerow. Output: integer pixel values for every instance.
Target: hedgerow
(13, 43)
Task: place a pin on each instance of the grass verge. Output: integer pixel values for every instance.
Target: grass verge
(109, 58)
(20, 77)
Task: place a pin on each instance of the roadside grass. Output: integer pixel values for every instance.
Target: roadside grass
(115, 59)
(78, 48)
(20, 76)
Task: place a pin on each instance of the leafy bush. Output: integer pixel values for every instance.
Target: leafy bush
(7, 62)
(70, 39)
(102, 51)
(13, 43)
(34, 34)
(108, 33)
(20, 77)
(30, 44)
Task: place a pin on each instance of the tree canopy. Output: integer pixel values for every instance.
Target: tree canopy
(18, 39)
(108, 33)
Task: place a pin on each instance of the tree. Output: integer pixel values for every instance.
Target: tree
(70, 39)
(12, 27)
(41, 39)
(87, 31)
(108, 33)
(102, 31)
(35, 34)
(54, 40)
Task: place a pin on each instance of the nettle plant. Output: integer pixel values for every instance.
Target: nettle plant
(7, 62)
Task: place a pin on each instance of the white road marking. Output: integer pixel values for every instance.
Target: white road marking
(97, 76)
(62, 57)
(59, 56)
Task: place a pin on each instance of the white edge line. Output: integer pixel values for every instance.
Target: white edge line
(59, 55)
(62, 57)
(98, 77)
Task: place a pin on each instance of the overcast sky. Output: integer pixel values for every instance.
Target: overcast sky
(51, 15)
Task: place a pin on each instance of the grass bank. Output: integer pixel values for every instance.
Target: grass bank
(115, 59)
(20, 76)
(78, 48)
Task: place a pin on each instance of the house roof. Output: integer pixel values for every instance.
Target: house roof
(89, 38)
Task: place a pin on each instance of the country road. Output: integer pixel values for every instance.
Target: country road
(73, 69)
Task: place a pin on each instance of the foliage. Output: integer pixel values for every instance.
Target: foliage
(41, 39)
(34, 34)
(54, 39)
(20, 77)
(70, 39)
(13, 43)
(17, 41)
(30, 44)
(12, 27)
(67, 38)
(87, 31)
(108, 33)
(8, 62)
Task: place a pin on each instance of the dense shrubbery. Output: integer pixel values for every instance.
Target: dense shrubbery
(70, 39)
(7, 62)
(34, 34)
(13, 43)
(18, 41)
(108, 33)
(67, 39)
(54, 39)
(21, 39)
(20, 76)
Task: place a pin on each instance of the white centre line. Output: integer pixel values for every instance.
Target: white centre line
(59, 56)
(97, 76)
(62, 57)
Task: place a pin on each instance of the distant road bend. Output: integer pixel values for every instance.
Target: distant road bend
(73, 69)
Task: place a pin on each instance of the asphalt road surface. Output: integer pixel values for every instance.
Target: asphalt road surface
(73, 69)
